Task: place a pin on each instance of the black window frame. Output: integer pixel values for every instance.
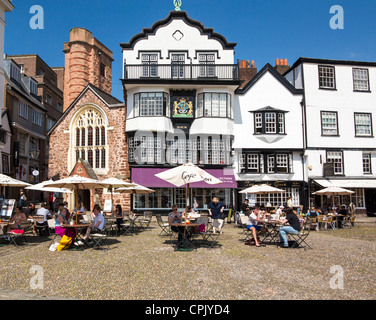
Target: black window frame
(263, 156)
(138, 115)
(342, 160)
(369, 87)
(229, 112)
(334, 77)
(363, 136)
(370, 162)
(337, 124)
(263, 128)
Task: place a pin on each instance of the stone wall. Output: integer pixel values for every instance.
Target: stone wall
(59, 163)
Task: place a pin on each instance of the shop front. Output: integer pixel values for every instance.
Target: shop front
(166, 194)
(296, 189)
(363, 196)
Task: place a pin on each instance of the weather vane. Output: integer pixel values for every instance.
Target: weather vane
(177, 4)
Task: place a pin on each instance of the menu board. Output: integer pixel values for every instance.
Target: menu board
(7, 207)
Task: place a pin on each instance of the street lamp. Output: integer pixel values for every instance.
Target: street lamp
(34, 154)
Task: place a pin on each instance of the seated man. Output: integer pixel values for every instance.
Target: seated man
(15, 221)
(43, 211)
(293, 228)
(98, 223)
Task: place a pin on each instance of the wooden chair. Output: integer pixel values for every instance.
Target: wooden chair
(327, 220)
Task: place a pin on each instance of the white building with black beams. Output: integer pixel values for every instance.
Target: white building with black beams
(179, 81)
(268, 141)
(339, 111)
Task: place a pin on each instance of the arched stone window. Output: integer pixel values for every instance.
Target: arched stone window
(89, 128)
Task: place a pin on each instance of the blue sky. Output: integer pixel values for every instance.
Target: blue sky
(263, 29)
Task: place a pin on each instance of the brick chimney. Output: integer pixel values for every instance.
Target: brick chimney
(247, 71)
(281, 65)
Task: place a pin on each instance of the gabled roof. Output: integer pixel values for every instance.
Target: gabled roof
(268, 108)
(146, 32)
(332, 62)
(109, 100)
(276, 74)
(4, 113)
(83, 166)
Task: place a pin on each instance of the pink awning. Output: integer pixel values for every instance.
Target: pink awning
(146, 177)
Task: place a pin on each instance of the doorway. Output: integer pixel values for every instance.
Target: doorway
(370, 199)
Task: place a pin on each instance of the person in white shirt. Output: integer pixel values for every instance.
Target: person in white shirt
(252, 224)
(98, 223)
(43, 211)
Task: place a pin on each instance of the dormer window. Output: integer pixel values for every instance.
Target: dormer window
(33, 87)
(269, 121)
(15, 71)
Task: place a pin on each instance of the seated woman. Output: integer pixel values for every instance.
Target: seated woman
(60, 220)
(119, 217)
(15, 221)
(175, 217)
(313, 213)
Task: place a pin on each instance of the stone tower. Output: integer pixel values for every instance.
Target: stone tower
(87, 60)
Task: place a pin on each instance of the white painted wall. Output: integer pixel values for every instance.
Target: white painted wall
(164, 41)
(345, 101)
(268, 91)
(342, 100)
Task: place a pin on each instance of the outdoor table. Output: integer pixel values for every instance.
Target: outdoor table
(272, 233)
(187, 244)
(77, 227)
(335, 217)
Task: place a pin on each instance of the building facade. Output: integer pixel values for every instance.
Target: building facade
(179, 81)
(268, 141)
(49, 93)
(339, 112)
(27, 114)
(298, 128)
(5, 6)
(91, 130)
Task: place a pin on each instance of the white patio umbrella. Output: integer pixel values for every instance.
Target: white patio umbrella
(333, 191)
(136, 189)
(6, 181)
(41, 187)
(77, 182)
(185, 175)
(262, 189)
(112, 183)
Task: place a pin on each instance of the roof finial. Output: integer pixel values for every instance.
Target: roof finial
(177, 4)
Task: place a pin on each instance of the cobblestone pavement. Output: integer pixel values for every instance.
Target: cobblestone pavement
(144, 266)
(8, 294)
